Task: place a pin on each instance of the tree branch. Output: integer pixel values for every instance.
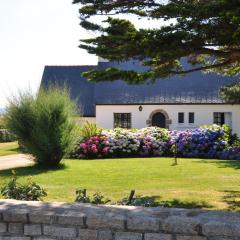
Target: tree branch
(203, 68)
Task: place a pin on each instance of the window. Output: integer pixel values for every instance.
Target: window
(122, 120)
(191, 117)
(219, 118)
(180, 117)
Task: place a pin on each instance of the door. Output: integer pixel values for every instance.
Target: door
(159, 120)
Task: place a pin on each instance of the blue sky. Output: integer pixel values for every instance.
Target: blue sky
(35, 33)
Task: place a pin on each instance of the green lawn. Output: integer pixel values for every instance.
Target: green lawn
(8, 148)
(212, 184)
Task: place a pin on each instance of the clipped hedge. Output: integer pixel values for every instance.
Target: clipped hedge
(204, 142)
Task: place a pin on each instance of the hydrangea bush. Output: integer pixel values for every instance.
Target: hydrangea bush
(204, 142)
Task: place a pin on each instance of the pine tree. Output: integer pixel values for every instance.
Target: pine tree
(206, 33)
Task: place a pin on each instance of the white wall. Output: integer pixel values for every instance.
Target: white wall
(203, 114)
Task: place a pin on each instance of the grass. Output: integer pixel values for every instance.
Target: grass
(8, 148)
(210, 184)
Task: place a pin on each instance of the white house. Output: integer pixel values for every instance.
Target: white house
(174, 103)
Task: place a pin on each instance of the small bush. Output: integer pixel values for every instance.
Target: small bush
(43, 124)
(94, 147)
(97, 198)
(27, 192)
(81, 196)
(90, 130)
(6, 136)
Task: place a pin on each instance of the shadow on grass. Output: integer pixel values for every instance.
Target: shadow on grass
(155, 201)
(31, 170)
(176, 203)
(235, 164)
(232, 198)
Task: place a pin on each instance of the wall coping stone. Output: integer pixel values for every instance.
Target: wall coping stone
(55, 219)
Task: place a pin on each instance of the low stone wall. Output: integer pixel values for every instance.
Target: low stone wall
(42, 221)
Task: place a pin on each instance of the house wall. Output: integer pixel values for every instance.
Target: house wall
(203, 114)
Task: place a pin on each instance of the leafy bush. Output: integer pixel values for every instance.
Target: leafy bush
(154, 141)
(97, 198)
(200, 142)
(6, 136)
(43, 124)
(94, 147)
(28, 192)
(81, 196)
(2, 122)
(206, 142)
(90, 130)
(121, 142)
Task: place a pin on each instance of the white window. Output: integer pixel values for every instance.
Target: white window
(122, 120)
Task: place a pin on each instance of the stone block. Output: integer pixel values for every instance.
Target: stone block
(56, 231)
(14, 238)
(181, 225)
(157, 236)
(43, 238)
(3, 227)
(105, 235)
(32, 229)
(109, 220)
(15, 228)
(42, 217)
(216, 228)
(86, 234)
(128, 236)
(143, 224)
(73, 218)
(14, 217)
(178, 237)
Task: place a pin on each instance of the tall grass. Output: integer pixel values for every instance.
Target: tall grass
(43, 123)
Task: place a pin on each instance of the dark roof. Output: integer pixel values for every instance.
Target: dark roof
(193, 88)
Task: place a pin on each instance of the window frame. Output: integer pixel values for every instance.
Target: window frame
(122, 120)
(219, 118)
(191, 117)
(181, 116)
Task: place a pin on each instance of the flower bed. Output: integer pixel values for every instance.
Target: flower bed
(205, 142)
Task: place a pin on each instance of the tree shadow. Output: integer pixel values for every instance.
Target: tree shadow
(31, 170)
(232, 198)
(235, 164)
(155, 201)
(176, 203)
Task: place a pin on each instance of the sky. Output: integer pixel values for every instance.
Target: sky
(35, 33)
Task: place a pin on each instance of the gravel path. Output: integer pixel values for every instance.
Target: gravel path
(14, 161)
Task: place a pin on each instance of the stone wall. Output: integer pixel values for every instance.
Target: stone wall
(43, 221)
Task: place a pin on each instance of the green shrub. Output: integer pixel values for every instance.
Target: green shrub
(81, 196)
(90, 130)
(43, 124)
(97, 198)
(2, 122)
(27, 192)
(6, 136)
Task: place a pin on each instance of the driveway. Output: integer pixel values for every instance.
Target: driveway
(14, 161)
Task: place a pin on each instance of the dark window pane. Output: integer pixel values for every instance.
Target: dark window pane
(122, 120)
(191, 117)
(181, 117)
(219, 118)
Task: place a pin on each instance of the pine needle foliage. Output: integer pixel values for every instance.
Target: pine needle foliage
(43, 123)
